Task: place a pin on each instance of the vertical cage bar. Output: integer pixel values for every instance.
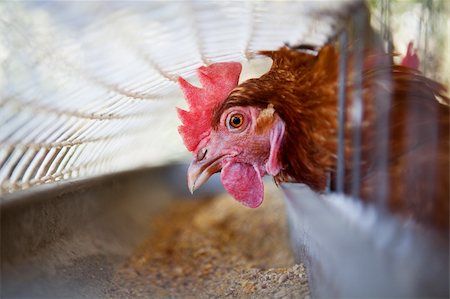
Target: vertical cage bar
(357, 101)
(390, 47)
(429, 14)
(343, 57)
(383, 103)
(385, 25)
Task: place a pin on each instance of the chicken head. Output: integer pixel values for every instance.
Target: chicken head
(244, 145)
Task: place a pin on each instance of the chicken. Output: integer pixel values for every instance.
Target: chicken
(285, 124)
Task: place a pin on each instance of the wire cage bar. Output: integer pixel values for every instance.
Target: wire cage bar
(88, 89)
(353, 248)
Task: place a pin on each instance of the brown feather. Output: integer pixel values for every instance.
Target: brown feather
(303, 91)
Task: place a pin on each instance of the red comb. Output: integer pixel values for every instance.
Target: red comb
(218, 80)
(411, 59)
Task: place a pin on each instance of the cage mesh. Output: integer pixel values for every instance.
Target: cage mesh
(89, 88)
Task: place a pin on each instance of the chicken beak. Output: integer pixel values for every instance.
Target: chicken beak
(200, 171)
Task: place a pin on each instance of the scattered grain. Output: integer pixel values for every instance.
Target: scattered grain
(214, 249)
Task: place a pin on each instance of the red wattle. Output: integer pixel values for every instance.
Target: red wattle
(244, 183)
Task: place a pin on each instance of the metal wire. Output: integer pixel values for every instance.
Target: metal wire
(89, 88)
(343, 60)
(357, 108)
(383, 122)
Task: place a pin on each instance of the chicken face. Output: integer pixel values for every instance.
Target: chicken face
(244, 147)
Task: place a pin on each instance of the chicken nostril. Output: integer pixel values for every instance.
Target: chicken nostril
(201, 154)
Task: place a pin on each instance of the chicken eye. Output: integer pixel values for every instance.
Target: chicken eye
(236, 120)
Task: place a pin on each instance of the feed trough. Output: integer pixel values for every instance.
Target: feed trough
(134, 235)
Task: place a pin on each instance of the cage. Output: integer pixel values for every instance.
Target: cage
(90, 153)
